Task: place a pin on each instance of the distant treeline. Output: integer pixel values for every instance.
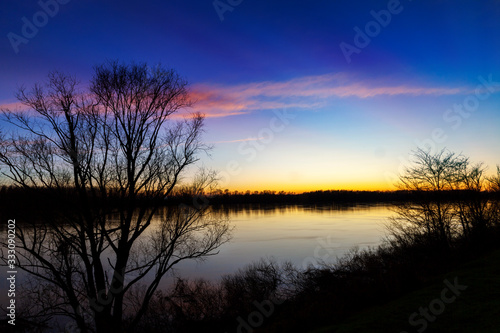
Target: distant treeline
(329, 196)
(17, 198)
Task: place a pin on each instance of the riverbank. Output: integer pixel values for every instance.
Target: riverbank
(475, 309)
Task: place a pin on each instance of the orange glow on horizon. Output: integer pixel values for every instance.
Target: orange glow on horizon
(382, 187)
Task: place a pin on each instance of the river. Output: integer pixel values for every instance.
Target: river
(303, 235)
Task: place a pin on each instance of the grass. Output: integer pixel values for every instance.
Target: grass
(476, 309)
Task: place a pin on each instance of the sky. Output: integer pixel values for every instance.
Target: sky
(298, 95)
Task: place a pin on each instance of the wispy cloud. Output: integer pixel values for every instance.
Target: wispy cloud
(239, 140)
(305, 92)
(9, 105)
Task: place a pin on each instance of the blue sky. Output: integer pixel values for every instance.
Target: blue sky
(351, 124)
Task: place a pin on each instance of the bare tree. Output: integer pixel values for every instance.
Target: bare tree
(110, 155)
(450, 199)
(494, 187)
(494, 181)
(430, 177)
(474, 207)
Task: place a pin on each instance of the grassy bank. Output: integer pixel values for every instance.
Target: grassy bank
(476, 309)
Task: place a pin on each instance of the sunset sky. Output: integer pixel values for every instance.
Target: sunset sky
(299, 95)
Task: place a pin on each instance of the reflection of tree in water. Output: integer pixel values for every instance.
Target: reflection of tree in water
(449, 200)
(112, 149)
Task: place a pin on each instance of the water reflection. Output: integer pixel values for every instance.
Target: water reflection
(287, 233)
(291, 233)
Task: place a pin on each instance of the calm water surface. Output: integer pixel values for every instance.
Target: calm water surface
(300, 234)
(293, 233)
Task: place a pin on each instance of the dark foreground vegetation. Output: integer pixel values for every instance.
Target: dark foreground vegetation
(272, 297)
(475, 309)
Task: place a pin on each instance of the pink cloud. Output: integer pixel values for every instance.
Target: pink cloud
(305, 92)
(239, 140)
(14, 106)
(220, 101)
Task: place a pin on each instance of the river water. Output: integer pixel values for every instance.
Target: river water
(303, 235)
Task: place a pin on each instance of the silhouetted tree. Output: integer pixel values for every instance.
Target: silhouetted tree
(450, 199)
(431, 177)
(473, 207)
(494, 187)
(109, 155)
(494, 181)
